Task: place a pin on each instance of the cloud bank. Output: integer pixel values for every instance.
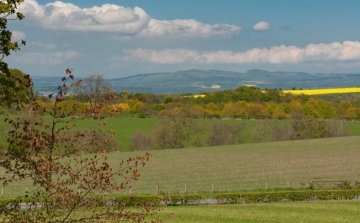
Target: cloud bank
(345, 51)
(112, 18)
(187, 28)
(17, 35)
(48, 58)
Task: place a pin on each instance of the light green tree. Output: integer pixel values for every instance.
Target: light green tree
(10, 84)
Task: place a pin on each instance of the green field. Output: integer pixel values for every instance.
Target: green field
(300, 212)
(124, 127)
(249, 166)
(254, 166)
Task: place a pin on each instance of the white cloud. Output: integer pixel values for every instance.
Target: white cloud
(18, 36)
(171, 56)
(117, 19)
(346, 51)
(47, 46)
(187, 28)
(67, 16)
(261, 26)
(37, 58)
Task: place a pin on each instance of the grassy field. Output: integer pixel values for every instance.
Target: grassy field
(254, 166)
(125, 126)
(294, 212)
(245, 166)
(300, 212)
(248, 166)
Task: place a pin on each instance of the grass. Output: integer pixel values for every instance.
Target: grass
(123, 126)
(250, 166)
(224, 168)
(126, 125)
(320, 212)
(294, 212)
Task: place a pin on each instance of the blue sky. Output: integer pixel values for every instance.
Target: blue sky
(120, 38)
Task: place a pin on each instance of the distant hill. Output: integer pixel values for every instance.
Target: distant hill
(197, 81)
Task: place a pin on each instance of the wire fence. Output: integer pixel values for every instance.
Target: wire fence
(25, 187)
(207, 187)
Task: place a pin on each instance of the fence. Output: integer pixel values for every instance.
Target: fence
(207, 187)
(201, 187)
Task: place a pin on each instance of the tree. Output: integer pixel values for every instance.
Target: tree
(93, 89)
(16, 89)
(67, 173)
(225, 134)
(141, 141)
(10, 84)
(178, 131)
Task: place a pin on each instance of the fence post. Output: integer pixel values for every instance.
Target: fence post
(266, 186)
(212, 187)
(185, 188)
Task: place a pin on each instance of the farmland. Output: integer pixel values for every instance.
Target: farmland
(124, 127)
(253, 165)
(249, 166)
(325, 91)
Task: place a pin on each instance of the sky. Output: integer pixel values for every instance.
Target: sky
(119, 38)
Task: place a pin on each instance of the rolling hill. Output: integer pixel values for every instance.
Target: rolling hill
(197, 81)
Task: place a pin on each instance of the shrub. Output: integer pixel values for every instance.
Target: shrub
(225, 134)
(177, 132)
(141, 141)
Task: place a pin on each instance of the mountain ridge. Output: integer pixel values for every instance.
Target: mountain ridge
(198, 81)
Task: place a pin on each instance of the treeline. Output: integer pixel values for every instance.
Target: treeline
(182, 116)
(243, 103)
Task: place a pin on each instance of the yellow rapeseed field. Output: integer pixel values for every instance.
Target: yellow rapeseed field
(325, 91)
(312, 91)
(199, 95)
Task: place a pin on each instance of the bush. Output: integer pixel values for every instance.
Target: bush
(318, 128)
(225, 134)
(241, 197)
(177, 132)
(300, 128)
(141, 141)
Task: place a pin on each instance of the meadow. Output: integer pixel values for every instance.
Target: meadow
(247, 166)
(301, 212)
(125, 126)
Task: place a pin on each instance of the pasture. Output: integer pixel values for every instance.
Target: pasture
(125, 126)
(301, 212)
